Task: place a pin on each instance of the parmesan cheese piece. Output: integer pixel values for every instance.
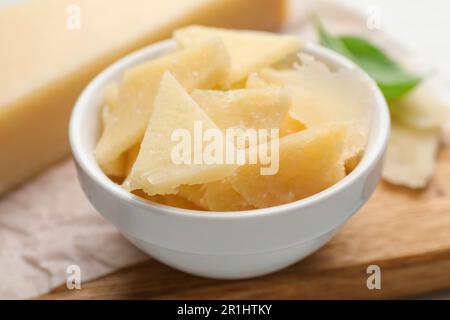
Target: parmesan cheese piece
(423, 108)
(155, 170)
(410, 157)
(249, 50)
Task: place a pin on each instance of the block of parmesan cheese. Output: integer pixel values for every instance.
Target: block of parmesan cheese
(50, 49)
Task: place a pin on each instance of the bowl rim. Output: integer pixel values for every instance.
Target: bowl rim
(368, 161)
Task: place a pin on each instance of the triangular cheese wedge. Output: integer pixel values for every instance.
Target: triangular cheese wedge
(289, 124)
(202, 66)
(115, 168)
(309, 162)
(249, 50)
(321, 96)
(410, 156)
(423, 108)
(156, 170)
(245, 108)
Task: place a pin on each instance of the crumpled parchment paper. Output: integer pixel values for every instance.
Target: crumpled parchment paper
(47, 226)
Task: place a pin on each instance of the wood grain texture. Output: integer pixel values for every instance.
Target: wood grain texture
(405, 232)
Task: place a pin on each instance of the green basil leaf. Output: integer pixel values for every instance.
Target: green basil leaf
(331, 42)
(393, 80)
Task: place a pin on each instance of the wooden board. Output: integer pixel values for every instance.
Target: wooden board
(405, 232)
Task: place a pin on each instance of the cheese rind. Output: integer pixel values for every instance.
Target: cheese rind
(47, 63)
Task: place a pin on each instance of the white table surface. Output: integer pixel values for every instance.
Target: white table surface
(423, 26)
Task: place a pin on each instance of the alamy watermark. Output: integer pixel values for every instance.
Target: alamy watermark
(374, 280)
(231, 146)
(73, 20)
(374, 18)
(73, 281)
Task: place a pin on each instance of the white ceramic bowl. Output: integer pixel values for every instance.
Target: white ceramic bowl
(218, 244)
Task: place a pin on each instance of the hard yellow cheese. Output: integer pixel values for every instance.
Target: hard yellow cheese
(309, 162)
(174, 110)
(45, 61)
